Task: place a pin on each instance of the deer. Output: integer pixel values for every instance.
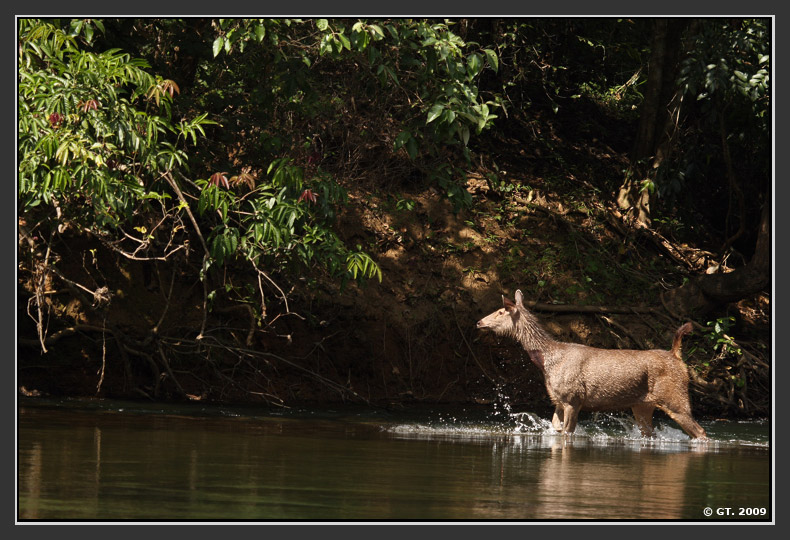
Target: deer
(582, 377)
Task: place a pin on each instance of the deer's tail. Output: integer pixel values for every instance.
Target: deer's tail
(682, 331)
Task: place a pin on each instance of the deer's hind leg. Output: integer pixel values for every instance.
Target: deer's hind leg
(686, 421)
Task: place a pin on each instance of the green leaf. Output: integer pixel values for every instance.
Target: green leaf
(493, 59)
(324, 46)
(260, 32)
(473, 64)
(231, 242)
(218, 45)
(393, 32)
(322, 24)
(402, 138)
(434, 113)
(379, 33)
(411, 148)
(344, 40)
(360, 40)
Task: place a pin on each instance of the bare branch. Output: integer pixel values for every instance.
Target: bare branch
(132, 256)
(482, 370)
(174, 185)
(270, 280)
(155, 329)
(62, 333)
(167, 368)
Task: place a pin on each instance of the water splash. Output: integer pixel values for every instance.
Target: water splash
(531, 430)
(528, 422)
(502, 405)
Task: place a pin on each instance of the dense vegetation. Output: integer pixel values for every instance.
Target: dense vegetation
(237, 209)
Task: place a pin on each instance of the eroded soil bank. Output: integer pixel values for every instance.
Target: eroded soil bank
(410, 338)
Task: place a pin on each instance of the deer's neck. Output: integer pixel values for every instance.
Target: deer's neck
(531, 335)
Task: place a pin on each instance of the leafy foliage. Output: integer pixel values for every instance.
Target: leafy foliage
(97, 129)
(433, 73)
(98, 144)
(92, 140)
(725, 79)
(278, 223)
(718, 334)
(729, 62)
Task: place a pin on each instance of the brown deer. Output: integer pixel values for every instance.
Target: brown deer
(581, 377)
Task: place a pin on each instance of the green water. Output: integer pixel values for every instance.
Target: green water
(125, 461)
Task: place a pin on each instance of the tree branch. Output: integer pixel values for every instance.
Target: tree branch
(570, 308)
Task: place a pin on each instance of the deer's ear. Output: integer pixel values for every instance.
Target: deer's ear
(510, 306)
(519, 298)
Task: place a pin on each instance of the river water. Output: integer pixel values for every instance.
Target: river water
(117, 461)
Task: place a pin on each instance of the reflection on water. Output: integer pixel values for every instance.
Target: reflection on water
(118, 463)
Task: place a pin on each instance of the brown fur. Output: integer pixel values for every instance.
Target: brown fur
(578, 376)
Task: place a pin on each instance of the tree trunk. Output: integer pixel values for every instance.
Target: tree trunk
(708, 291)
(657, 121)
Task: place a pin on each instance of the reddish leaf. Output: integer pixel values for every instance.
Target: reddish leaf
(308, 195)
(55, 119)
(86, 106)
(170, 87)
(246, 177)
(219, 178)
